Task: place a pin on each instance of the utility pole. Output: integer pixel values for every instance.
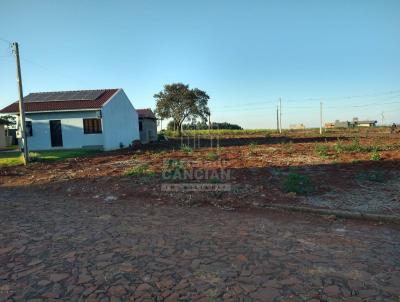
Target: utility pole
(21, 105)
(277, 118)
(320, 118)
(209, 130)
(280, 115)
(383, 118)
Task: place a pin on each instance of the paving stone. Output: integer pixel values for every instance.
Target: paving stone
(58, 277)
(130, 251)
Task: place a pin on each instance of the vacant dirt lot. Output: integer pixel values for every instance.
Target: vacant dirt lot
(359, 172)
(56, 247)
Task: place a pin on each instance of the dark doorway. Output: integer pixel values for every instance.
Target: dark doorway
(56, 134)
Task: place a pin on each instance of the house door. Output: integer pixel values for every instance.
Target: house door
(56, 134)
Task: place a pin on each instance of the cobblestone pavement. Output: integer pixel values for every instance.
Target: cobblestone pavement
(53, 248)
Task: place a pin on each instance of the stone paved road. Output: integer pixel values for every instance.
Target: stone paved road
(51, 248)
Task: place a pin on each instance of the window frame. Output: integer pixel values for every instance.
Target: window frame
(92, 126)
(30, 127)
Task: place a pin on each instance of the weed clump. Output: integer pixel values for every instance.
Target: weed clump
(375, 155)
(186, 149)
(322, 150)
(140, 171)
(212, 156)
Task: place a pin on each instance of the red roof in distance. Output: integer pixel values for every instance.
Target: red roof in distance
(63, 101)
(146, 113)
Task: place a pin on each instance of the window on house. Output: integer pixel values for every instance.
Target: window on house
(92, 125)
(28, 128)
(140, 126)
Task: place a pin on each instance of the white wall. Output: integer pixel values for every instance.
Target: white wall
(120, 122)
(71, 127)
(3, 142)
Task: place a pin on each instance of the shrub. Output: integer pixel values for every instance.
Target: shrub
(322, 150)
(338, 147)
(186, 149)
(354, 146)
(298, 183)
(375, 155)
(212, 156)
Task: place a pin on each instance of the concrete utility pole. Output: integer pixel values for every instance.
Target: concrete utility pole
(280, 115)
(21, 105)
(383, 117)
(277, 118)
(320, 118)
(209, 130)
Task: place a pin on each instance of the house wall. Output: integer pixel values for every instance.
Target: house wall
(120, 122)
(3, 142)
(149, 130)
(71, 127)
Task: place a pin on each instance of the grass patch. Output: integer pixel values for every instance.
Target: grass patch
(15, 158)
(10, 159)
(140, 171)
(298, 183)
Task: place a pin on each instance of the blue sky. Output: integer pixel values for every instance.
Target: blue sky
(244, 54)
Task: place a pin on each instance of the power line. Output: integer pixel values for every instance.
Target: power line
(5, 41)
(389, 95)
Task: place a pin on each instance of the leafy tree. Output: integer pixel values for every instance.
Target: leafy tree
(180, 103)
(204, 126)
(8, 120)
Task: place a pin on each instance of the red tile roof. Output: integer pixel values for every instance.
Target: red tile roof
(62, 105)
(146, 113)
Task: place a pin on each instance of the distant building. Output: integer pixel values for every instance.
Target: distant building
(355, 123)
(297, 127)
(346, 124)
(366, 123)
(147, 125)
(329, 125)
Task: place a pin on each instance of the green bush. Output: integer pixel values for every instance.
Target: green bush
(186, 149)
(354, 146)
(375, 155)
(298, 183)
(322, 150)
(212, 156)
(338, 147)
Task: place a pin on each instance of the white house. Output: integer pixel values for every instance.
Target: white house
(3, 142)
(103, 119)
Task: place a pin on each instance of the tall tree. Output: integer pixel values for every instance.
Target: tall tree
(8, 120)
(180, 103)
